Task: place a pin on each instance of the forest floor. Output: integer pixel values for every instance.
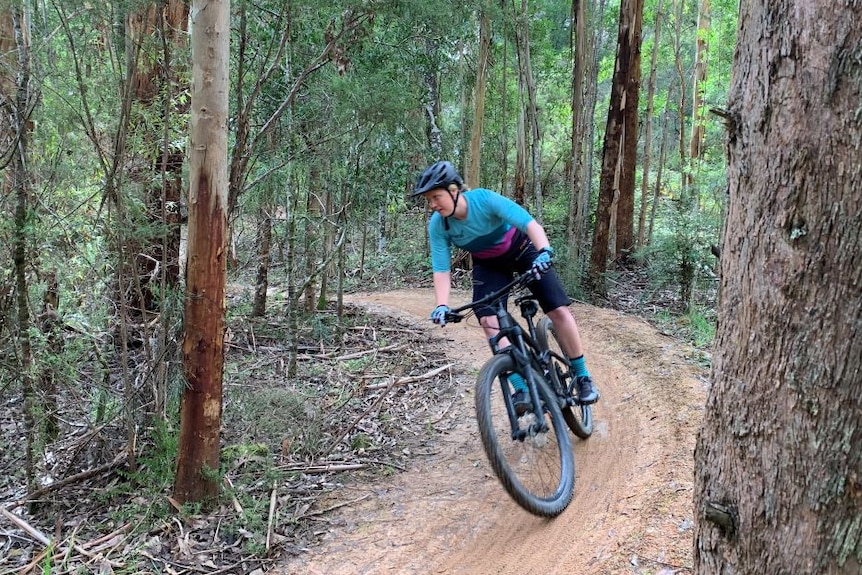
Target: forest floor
(395, 480)
(632, 509)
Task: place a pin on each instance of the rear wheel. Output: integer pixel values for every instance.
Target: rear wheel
(537, 469)
(578, 417)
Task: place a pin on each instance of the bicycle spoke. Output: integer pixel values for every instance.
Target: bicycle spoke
(535, 461)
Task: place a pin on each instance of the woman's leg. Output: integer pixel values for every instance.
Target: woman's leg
(570, 340)
(567, 329)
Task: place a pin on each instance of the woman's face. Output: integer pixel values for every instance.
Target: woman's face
(440, 201)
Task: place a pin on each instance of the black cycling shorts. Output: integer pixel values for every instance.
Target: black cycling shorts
(492, 274)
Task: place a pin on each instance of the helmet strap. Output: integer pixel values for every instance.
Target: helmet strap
(454, 207)
(455, 199)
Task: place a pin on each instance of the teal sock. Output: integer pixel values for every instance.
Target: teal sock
(517, 382)
(580, 367)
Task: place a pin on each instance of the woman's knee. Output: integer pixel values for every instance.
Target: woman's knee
(561, 314)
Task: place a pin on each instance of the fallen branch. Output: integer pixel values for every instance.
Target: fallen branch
(46, 541)
(324, 468)
(411, 379)
(119, 459)
(271, 520)
(353, 355)
(106, 541)
(236, 505)
(332, 508)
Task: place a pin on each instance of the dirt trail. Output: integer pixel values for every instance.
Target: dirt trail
(447, 514)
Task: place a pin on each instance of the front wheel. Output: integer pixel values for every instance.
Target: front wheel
(578, 417)
(537, 468)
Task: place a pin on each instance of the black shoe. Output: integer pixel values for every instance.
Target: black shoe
(521, 401)
(587, 392)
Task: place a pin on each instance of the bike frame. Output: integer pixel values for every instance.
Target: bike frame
(523, 347)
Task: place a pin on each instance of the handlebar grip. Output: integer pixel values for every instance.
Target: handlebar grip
(453, 317)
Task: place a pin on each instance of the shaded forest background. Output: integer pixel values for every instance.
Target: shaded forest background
(334, 111)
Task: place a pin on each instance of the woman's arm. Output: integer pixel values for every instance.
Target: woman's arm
(442, 285)
(537, 235)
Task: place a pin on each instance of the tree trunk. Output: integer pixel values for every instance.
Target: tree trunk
(463, 81)
(504, 142)
(519, 182)
(473, 173)
(577, 219)
(203, 344)
(264, 256)
(154, 85)
(662, 155)
(292, 311)
(16, 125)
(432, 101)
(328, 239)
(778, 485)
(648, 117)
(611, 151)
(532, 136)
(595, 43)
(628, 162)
(151, 259)
(51, 327)
(311, 234)
(683, 240)
(698, 127)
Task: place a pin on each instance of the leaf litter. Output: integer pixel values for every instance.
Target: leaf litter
(362, 405)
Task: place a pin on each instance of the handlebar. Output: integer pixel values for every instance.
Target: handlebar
(454, 315)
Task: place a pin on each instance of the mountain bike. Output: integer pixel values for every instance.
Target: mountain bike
(531, 453)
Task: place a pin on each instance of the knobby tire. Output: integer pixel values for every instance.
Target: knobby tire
(538, 472)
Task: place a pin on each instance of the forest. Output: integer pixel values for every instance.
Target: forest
(610, 121)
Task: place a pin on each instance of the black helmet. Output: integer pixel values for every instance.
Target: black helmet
(437, 175)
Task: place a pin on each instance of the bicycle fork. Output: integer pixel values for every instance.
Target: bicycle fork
(539, 424)
(509, 329)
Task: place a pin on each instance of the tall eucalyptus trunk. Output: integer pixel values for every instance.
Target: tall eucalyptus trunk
(198, 450)
(20, 97)
(577, 219)
(532, 143)
(473, 173)
(648, 120)
(613, 148)
(628, 162)
(778, 469)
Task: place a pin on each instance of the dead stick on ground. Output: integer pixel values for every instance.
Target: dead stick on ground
(324, 468)
(378, 401)
(271, 520)
(354, 355)
(236, 506)
(332, 508)
(45, 540)
(406, 380)
(118, 460)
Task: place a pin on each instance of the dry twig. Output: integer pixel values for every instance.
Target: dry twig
(45, 540)
(379, 400)
(271, 520)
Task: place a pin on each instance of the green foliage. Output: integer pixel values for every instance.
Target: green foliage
(273, 416)
(697, 326)
(158, 460)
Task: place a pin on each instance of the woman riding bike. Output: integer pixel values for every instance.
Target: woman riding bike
(503, 239)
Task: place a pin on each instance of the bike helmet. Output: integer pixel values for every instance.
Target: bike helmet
(437, 175)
